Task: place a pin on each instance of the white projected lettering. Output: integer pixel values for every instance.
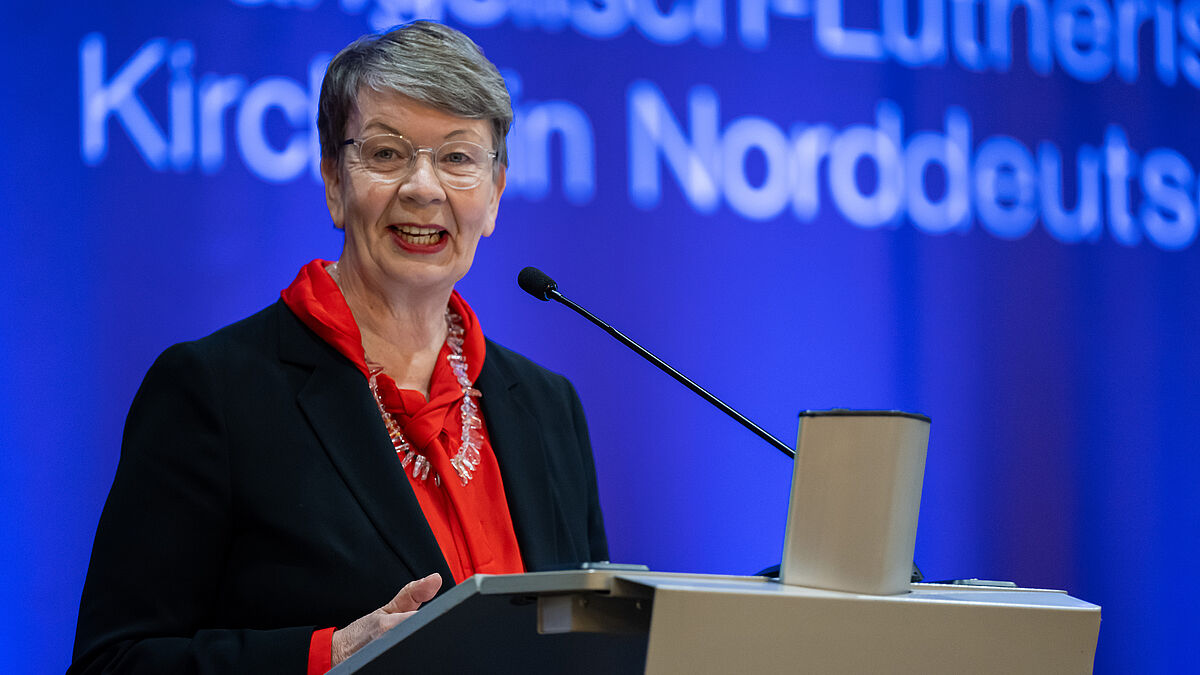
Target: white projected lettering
(878, 175)
(878, 148)
(753, 17)
(951, 154)
(836, 40)
(747, 135)
(116, 95)
(278, 165)
(1070, 225)
(201, 114)
(217, 96)
(928, 43)
(701, 20)
(1089, 40)
(809, 147)
(530, 146)
(873, 173)
(1005, 187)
(1168, 215)
(691, 156)
(1118, 159)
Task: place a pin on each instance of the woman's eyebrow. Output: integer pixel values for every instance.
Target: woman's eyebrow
(382, 125)
(376, 124)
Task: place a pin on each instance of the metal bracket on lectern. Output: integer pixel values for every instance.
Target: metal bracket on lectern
(592, 613)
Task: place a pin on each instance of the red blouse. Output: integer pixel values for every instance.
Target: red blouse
(471, 523)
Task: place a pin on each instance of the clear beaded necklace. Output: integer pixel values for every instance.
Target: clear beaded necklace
(467, 459)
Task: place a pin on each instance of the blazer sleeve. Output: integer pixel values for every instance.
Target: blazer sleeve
(149, 602)
(597, 539)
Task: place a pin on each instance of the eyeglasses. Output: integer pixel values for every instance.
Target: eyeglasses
(458, 164)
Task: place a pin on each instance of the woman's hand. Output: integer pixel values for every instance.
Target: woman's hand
(353, 637)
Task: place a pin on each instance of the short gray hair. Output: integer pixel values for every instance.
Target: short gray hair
(425, 61)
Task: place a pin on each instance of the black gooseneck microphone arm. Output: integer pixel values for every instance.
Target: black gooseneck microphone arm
(541, 286)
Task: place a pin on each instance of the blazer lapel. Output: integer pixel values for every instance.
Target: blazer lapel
(513, 430)
(339, 406)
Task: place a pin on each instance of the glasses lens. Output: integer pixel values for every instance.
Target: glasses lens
(459, 164)
(386, 155)
(462, 164)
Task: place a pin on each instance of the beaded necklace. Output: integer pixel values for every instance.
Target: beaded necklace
(467, 459)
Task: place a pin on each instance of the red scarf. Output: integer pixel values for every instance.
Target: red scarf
(472, 524)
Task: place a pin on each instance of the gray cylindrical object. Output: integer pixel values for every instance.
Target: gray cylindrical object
(856, 491)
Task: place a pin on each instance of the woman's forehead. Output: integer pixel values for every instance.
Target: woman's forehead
(391, 112)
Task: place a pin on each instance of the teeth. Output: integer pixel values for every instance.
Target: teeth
(422, 236)
(427, 240)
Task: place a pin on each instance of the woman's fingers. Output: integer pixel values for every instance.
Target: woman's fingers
(390, 621)
(414, 594)
(355, 636)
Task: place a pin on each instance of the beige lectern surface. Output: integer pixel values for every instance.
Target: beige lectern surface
(736, 625)
(604, 621)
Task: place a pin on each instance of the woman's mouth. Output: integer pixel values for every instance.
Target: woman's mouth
(419, 238)
(419, 235)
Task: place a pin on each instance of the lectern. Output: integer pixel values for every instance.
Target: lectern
(852, 520)
(603, 621)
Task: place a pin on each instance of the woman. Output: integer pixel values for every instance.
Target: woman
(285, 476)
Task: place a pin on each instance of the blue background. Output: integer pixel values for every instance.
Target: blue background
(1062, 377)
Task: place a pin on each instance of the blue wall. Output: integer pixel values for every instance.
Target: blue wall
(981, 213)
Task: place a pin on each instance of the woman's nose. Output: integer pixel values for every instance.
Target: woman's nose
(423, 181)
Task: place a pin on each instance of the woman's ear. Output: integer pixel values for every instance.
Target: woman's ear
(331, 173)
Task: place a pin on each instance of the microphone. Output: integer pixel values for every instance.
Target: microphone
(536, 283)
(539, 284)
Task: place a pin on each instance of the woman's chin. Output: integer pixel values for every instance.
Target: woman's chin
(427, 274)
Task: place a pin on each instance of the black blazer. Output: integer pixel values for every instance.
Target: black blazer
(258, 497)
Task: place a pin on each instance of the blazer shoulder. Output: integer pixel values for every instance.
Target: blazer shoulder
(260, 329)
(256, 339)
(513, 368)
(253, 350)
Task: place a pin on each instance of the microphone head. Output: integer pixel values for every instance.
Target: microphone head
(536, 283)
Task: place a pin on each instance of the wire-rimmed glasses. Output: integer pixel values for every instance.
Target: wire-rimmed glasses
(458, 164)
